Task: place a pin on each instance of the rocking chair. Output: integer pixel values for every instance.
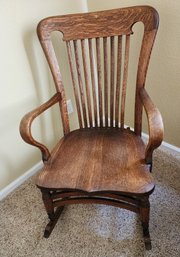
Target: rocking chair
(104, 161)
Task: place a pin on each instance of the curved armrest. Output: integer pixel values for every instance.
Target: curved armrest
(155, 123)
(25, 125)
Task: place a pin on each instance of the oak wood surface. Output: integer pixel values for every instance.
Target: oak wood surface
(99, 77)
(92, 69)
(69, 51)
(125, 77)
(118, 80)
(99, 160)
(26, 122)
(95, 27)
(100, 24)
(105, 80)
(156, 128)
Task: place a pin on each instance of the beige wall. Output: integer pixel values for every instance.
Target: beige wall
(163, 80)
(24, 79)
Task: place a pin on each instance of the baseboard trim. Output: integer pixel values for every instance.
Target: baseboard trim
(172, 147)
(165, 144)
(16, 183)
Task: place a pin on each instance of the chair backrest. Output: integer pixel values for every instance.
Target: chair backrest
(96, 60)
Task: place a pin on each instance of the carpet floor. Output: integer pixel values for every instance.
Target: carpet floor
(94, 230)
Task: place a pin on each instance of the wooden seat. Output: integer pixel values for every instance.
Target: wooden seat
(102, 161)
(94, 160)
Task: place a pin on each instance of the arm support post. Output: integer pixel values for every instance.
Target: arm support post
(155, 124)
(26, 122)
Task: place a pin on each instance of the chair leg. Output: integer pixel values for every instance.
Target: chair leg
(53, 215)
(144, 213)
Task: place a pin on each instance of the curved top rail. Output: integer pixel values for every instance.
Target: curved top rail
(99, 24)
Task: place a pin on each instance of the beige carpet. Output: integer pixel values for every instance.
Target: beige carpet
(94, 230)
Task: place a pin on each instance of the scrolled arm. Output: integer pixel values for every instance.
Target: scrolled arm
(155, 123)
(26, 122)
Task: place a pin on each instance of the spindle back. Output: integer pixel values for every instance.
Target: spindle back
(97, 59)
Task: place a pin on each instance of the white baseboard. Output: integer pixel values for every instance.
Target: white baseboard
(165, 144)
(16, 183)
(172, 147)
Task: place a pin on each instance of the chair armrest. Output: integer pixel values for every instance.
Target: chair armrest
(155, 123)
(25, 125)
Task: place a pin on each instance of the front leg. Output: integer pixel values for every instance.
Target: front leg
(53, 215)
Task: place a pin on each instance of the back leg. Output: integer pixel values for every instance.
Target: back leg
(144, 213)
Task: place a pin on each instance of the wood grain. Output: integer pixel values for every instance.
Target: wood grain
(69, 51)
(156, 128)
(92, 68)
(104, 165)
(99, 73)
(86, 75)
(99, 162)
(125, 77)
(81, 89)
(146, 48)
(118, 80)
(99, 24)
(105, 50)
(56, 74)
(26, 123)
(112, 81)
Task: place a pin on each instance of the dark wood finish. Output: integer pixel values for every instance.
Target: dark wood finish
(52, 222)
(144, 214)
(52, 214)
(101, 162)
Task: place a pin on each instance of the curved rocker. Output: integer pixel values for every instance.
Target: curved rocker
(55, 199)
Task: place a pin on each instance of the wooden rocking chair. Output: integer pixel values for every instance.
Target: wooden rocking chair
(103, 161)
